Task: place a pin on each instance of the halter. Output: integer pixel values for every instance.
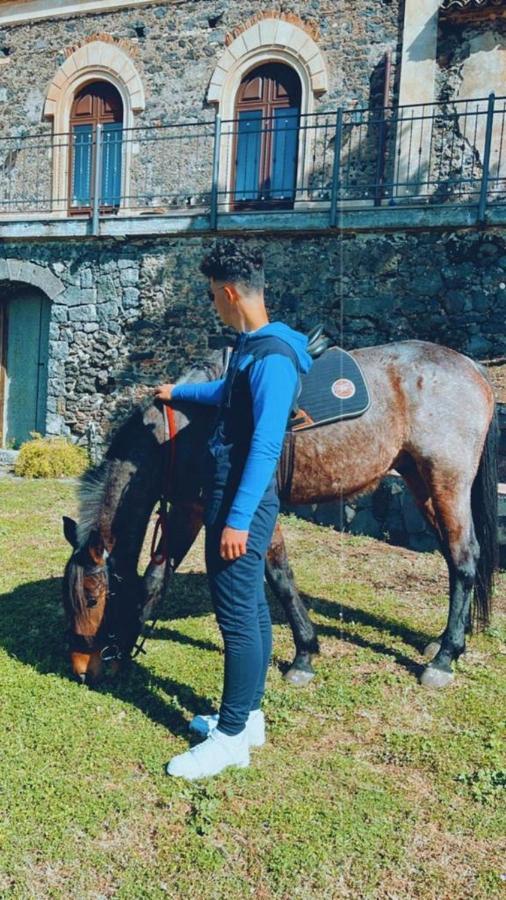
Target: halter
(81, 643)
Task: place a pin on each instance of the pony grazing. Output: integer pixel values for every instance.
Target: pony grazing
(431, 417)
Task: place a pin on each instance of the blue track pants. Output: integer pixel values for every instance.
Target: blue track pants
(238, 595)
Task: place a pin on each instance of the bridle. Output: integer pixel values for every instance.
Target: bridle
(81, 643)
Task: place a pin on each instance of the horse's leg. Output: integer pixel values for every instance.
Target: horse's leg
(280, 579)
(184, 522)
(406, 466)
(452, 505)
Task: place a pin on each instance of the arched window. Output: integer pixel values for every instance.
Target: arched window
(266, 138)
(98, 103)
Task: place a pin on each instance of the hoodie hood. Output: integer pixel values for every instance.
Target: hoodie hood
(296, 340)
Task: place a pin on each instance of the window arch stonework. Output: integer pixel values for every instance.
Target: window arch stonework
(95, 61)
(271, 40)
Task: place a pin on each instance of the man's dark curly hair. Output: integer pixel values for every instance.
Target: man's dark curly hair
(236, 262)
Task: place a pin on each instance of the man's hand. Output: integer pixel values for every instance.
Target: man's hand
(233, 543)
(164, 392)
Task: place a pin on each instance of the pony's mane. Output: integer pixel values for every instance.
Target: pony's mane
(93, 484)
(91, 493)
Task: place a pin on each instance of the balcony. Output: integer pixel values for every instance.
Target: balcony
(442, 164)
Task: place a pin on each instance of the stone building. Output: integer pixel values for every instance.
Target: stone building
(356, 141)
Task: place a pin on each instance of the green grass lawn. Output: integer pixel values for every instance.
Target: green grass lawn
(369, 786)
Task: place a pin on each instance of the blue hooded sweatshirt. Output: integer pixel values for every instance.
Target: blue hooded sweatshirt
(273, 383)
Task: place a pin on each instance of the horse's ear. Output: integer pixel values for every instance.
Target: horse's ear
(70, 531)
(96, 548)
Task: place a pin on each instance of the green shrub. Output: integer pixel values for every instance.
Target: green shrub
(51, 457)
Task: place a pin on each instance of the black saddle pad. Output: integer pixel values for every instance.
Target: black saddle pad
(333, 389)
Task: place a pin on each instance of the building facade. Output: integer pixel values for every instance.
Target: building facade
(363, 145)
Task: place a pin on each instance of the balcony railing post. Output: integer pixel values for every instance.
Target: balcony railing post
(97, 180)
(482, 205)
(216, 174)
(336, 168)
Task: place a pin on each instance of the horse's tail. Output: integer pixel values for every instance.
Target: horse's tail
(484, 505)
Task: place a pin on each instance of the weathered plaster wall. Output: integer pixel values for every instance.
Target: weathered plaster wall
(471, 54)
(472, 65)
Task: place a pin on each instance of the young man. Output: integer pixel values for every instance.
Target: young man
(254, 401)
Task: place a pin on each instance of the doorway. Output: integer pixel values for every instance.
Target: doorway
(24, 339)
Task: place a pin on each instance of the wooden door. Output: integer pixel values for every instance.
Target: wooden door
(26, 328)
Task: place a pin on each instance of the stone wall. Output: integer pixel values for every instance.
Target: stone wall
(136, 313)
(176, 47)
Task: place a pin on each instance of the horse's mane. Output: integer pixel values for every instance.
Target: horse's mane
(92, 489)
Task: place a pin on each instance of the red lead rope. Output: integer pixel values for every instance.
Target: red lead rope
(160, 531)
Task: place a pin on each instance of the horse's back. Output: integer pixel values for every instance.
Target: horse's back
(441, 397)
(422, 366)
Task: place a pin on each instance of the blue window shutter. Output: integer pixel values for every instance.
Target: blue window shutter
(112, 137)
(249, 142)
(284, 160)
(82, 165)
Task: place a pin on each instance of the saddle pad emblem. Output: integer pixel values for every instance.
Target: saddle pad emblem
(343, 388)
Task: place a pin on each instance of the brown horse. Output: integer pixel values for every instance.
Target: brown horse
(432, 418)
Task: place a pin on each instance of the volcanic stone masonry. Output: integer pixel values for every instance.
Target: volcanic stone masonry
(138, 313)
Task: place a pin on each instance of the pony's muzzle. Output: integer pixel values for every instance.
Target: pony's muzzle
(86, 667)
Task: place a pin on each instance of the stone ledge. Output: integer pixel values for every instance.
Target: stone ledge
(15, 13)
(8, 457)
(370, 219)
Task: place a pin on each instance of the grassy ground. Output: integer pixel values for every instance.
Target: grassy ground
(370, 786)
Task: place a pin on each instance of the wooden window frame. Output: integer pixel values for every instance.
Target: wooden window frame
(93, 119)
(266, 107)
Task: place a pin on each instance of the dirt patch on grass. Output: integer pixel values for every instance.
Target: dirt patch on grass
(497, 373)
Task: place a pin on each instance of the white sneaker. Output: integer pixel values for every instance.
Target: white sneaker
(216, 753)
(255, 727)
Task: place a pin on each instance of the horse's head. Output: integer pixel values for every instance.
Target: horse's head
(86, 601)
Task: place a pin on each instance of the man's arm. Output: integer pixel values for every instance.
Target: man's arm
(273, 381)
(208, 392)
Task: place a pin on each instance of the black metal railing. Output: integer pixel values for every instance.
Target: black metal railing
(450, 152)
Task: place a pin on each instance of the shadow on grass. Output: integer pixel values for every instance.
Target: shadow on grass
(32, 630)
(354, 616)
(349, 616)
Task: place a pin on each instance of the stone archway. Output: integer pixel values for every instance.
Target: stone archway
(12, 269)
(268, 39)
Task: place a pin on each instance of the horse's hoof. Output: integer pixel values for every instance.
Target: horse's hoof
(299, 677)
(436, 678)
(432, 649)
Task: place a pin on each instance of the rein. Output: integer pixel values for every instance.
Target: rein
(160, 530)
